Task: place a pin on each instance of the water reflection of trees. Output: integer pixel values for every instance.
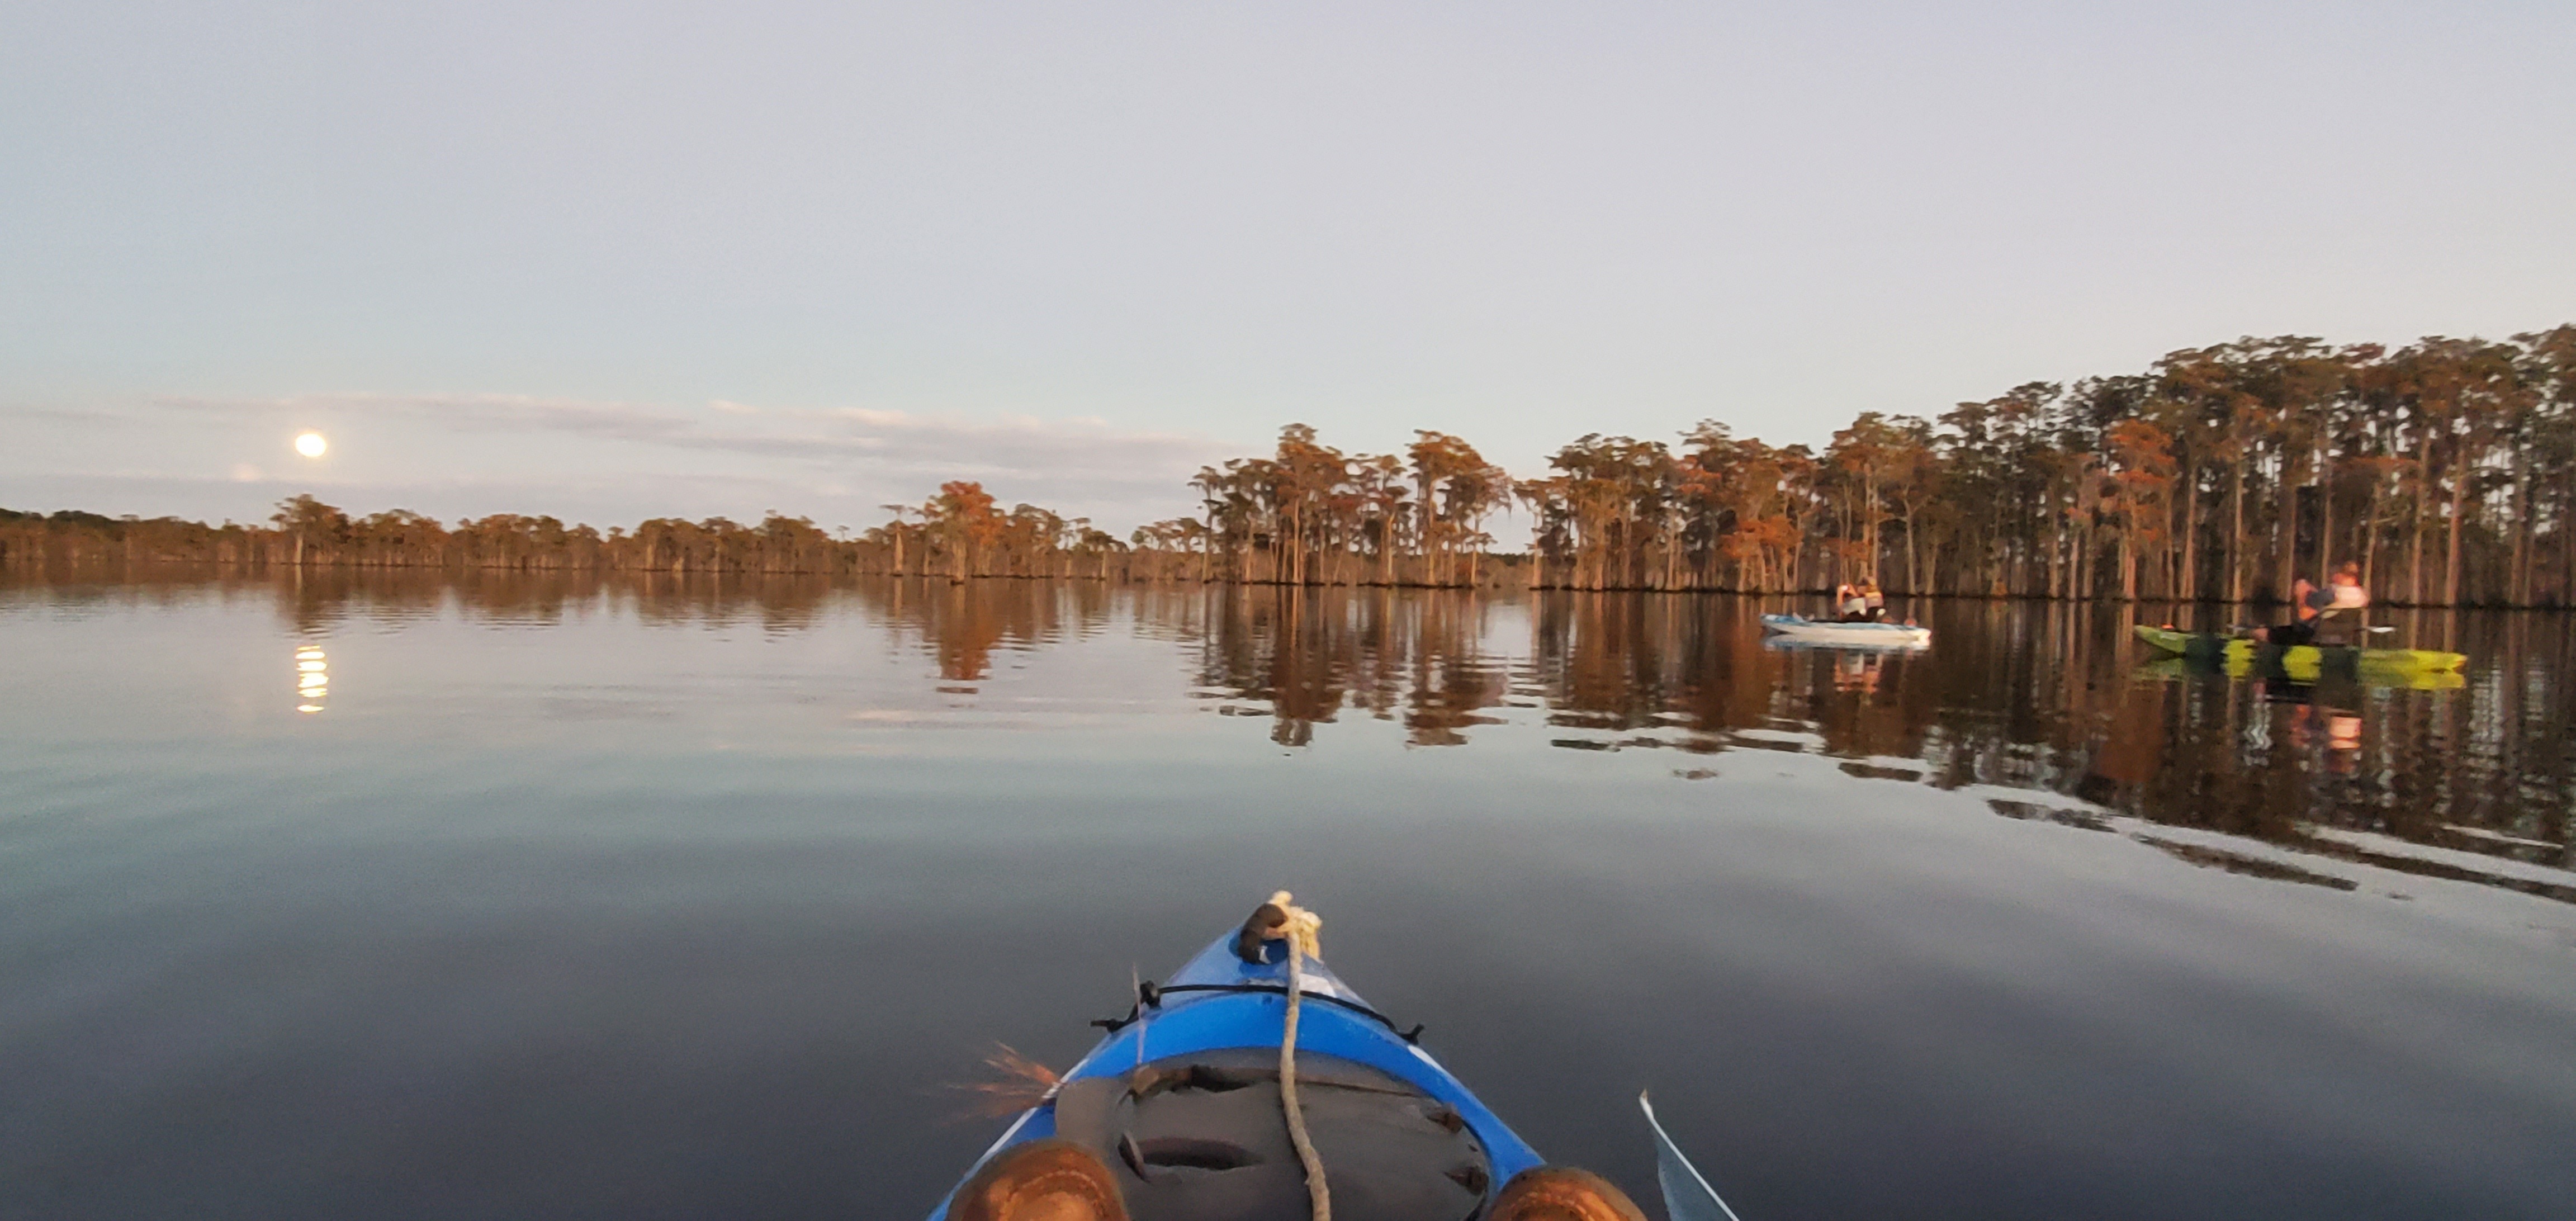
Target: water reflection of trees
(1309, 653)
(963, 625)
(2034, 696)
(2047, 697)
(2025, 695)
(316, 600)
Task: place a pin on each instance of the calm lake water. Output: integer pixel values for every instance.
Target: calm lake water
(395, 897)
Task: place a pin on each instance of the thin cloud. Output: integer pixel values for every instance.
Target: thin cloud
(1076, 465)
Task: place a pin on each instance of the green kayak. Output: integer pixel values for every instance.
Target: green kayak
(2170, 669)
(2298, 661)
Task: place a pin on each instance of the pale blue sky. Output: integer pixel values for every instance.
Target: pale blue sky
(618, 260)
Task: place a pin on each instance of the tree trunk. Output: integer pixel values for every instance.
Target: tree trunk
(2325, 517)
(2187, 576)
(2521, 583)
(2053, 570)
(2236, 535)
(2370, 534)
(2286, 560)
(2083, 586)
(2423, 500)
(2567, 550)
(1871, 529)
(2459, 499)
(1913, 568)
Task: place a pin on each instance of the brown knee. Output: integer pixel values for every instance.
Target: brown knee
(1043, 1180)
(1562, 1193)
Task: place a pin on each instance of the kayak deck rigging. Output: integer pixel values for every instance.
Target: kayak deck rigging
(1210, 1100)
(1182, 1098)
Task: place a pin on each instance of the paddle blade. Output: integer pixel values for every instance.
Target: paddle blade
(1687, 1196)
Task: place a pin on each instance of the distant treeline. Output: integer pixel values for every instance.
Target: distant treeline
(2446, 469)
(306, 532)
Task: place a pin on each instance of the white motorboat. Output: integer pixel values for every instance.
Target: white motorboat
(1853, 635)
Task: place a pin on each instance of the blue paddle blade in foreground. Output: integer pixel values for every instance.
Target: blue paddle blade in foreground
(1687, 1196)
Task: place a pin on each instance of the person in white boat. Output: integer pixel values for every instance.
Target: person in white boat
(1876, 600)
(1850, 604)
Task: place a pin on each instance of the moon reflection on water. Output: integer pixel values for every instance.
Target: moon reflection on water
(312, 678)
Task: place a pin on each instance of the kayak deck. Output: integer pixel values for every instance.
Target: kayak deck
(2240, 652)
(1181, 1100)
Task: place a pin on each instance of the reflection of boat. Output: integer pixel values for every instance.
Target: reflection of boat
(1800, 629)
(1181, 1103)
(2176, 669)
(2299, 663)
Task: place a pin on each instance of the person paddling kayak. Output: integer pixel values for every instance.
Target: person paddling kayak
(2311, 606)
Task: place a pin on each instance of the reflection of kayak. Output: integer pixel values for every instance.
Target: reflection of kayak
(1865, 649)
(2297, 661)
(1865, 635)
(2175, 669)
(1182, 1101)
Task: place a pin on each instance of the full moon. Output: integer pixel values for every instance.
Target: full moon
(311, 445)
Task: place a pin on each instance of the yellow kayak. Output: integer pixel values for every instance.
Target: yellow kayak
(2300, 662)
(2171, 669)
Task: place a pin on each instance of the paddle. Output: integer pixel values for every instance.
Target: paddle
(1687, 1195)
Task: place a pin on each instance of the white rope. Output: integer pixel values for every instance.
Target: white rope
(1300, 932)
